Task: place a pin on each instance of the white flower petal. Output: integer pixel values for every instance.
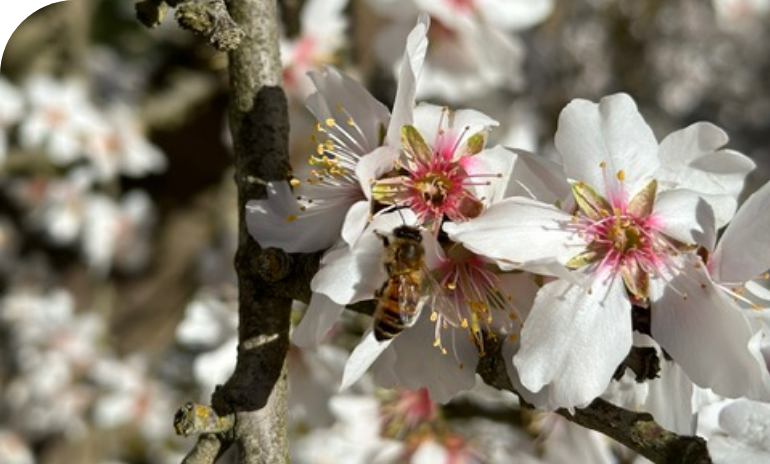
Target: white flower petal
(747, 421)
(574, 340)
(514, 15)
(350, 276)
(538, 178)
(373, 166)
(321, 18)
(683, 215)
(743, 251)
(411, 68)
(691, 158)
(541, 399)
(492, 161)
(278, 222)
(700, 327)
(319, 318)
(363, 356)
(669, 399)
(516, 231)
(419, 364)
(341, 98)
(724, 450)
(611, 132)
(355, 222)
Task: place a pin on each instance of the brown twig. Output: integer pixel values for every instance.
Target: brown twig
(637, 431)
(211, 20)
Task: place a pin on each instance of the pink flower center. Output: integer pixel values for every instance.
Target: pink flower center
(620, 238)
(622, 235)
(471, 297)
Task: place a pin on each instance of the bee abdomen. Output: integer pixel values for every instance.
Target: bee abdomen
(388, 329)
(388, 320)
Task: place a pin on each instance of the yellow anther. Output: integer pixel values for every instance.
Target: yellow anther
(351, 122)
(512, 337)
(451, 286)
(294, 183)
(318, 149)
(436, 343)
(329, 145)
(318, 127)
(464, 324)
(291, 218)
(329, 122)
(433, 316)
(621, 175)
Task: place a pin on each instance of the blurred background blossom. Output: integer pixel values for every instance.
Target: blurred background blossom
(117, 228)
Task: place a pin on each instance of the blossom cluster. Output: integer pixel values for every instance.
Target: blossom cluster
(67, 156)
(563, 263)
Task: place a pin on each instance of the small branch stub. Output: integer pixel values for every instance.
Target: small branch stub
(210, 19)
(194, 419)
(273, 264)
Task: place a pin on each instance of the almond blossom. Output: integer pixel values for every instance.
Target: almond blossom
(332, 190)
(475, 49)
(59, 119)
(320, 40)
(627, 240)
(446, 171)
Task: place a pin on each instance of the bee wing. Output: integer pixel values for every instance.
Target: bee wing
(410, 300)
(440, 300)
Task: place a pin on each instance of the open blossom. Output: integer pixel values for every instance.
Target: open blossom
(117, 145)
(445, 171)
(627, 241)
(331, 192)
(475, 48)
(320, 40)
(59, 120)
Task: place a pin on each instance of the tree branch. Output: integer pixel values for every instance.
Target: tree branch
(260, 127)
(255, 395)
(637, 431)
(210, 19)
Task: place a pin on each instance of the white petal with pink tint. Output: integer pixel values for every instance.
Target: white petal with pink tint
(516, 231)
(683, 215)
(574, 340)
(321, 315)
(700, 327)
(743, 252)
(611, 132)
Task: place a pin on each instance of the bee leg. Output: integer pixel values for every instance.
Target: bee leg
(378, 293)
(382, 237)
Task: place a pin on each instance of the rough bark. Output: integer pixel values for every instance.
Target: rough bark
(255, 395)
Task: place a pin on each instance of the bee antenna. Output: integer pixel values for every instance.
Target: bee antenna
(398, 210)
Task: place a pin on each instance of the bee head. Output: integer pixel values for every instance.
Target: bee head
(408, 232)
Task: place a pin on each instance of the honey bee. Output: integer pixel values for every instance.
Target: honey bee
(402, 296)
